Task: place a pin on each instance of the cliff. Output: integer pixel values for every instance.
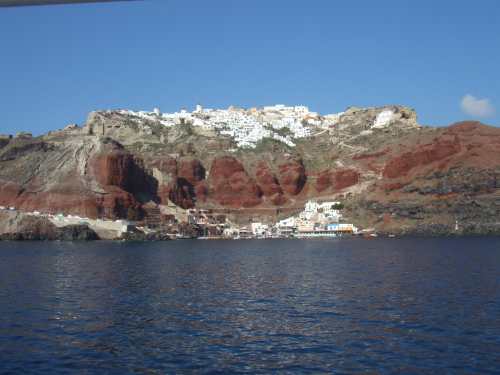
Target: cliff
(393, 175)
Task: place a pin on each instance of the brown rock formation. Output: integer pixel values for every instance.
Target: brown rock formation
(15, 226)
(117, 167)
(345, 178)
(181, 177)
(337, 179)
(182, 193)
(292, 176)
(230, 185)
(191, 170)
(421, 156)
(9, 192)
(324, 181)
(269, 184)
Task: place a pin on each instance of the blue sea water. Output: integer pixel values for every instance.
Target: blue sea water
(407, 305)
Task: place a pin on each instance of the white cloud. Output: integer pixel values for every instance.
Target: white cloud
(477, 107)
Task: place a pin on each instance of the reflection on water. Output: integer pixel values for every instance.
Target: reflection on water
(406, 305)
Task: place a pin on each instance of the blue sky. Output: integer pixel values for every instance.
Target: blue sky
(57, 63)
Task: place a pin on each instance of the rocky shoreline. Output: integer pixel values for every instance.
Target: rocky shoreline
(30, 229)
(45, 231)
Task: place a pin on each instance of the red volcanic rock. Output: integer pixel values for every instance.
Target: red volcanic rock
(201, 191)
(182, 193)
(266, 180)
(324, 181)
(225, 167)
(116, 167)
(64, 199)
(67, 197)
(111, 168)
(119, 204)
(73, 199)
(345, 178)
(475, 127)
(166, 165)
(121, 169)
(230, 185)
(186, 173)
(9, 192)
(423, 155)
(339, 179)
(191, 169)
(124, 181)
(292, 176)
(278, 199)
(269, 185)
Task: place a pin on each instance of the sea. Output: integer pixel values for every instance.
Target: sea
(342, 306)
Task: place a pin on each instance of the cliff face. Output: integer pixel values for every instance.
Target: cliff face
(442, 179)
(396, 177)
(79, 175)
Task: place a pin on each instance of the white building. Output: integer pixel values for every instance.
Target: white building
(288, 222)
(259, 229)
(301, 109)
(383, 119)
(322, 211)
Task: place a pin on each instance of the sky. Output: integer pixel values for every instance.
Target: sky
(58, 63)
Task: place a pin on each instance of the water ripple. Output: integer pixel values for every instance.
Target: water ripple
(214, 307)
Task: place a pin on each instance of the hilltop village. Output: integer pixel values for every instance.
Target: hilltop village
(270, 172)
(246, 128)
(249, 126)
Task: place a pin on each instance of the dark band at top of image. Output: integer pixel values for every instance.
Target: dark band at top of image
(20, 3)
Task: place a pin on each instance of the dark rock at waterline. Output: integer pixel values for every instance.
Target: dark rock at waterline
(41, 229)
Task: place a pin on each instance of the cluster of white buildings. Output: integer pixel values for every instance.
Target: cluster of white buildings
(246, 126)
(318, 219)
